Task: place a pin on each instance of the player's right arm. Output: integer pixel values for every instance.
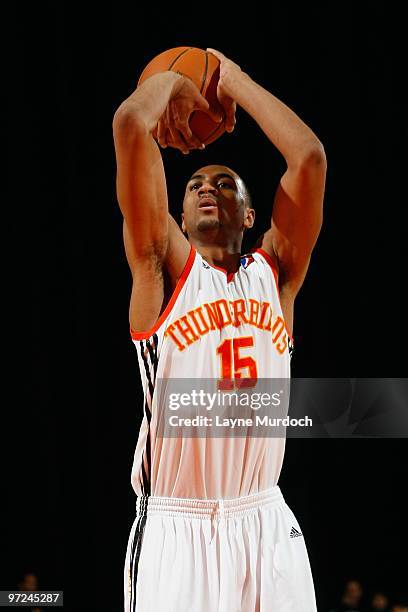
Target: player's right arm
(150, 237)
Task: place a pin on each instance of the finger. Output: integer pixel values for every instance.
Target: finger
(230, 119)
(200, 103)
(229, 106)
(184, 146)
(217, 54)
(181, 123)
(177, 139)
(161, 133)
(216, 115)
(173, 135)
(191, 139)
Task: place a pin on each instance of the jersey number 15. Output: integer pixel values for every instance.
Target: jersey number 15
(232, 364)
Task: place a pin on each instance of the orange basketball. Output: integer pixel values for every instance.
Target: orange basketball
(203, 69)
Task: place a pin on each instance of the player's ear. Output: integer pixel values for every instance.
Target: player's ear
(249, 218)
(183, 225)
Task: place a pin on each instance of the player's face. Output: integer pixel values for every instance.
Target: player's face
(215, 200)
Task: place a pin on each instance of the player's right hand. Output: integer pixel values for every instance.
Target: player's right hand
(173, 127)
(229, 71)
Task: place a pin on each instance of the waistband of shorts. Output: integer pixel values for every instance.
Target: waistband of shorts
(208, 508)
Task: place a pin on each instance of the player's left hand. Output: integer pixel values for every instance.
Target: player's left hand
(173, 127)
(167, 134)
(229, 72)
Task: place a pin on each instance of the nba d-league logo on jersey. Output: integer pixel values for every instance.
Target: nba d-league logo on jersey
(246, 261)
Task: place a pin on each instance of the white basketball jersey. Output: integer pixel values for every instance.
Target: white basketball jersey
(215, 326)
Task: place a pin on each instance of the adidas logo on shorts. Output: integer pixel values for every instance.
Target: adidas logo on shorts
(294, 533)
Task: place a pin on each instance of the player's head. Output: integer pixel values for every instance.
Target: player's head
(217, 206)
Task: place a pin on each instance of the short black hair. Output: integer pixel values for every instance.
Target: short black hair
(247, 196)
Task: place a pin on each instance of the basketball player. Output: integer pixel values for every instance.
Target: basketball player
(212, 531)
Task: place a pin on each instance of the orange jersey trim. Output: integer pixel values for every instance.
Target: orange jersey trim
(270, 261)
(272, 265)
(180, 284)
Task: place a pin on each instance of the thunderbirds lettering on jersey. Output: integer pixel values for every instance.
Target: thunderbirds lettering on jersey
(188, 328)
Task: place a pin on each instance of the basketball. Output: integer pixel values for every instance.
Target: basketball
(203, 69)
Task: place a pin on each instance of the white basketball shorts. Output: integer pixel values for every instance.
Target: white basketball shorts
(237, 555)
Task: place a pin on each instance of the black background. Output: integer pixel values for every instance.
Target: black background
(76, 394)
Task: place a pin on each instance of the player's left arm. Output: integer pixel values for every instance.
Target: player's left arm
(298, 205)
